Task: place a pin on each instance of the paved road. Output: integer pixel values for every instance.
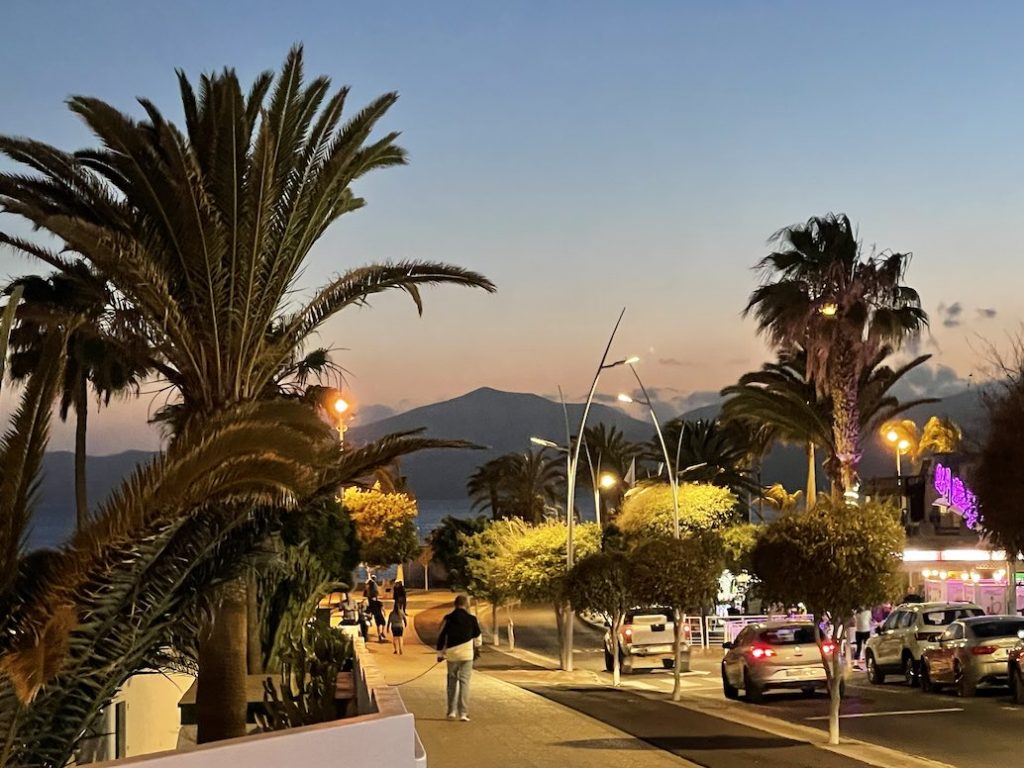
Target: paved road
(971, 733)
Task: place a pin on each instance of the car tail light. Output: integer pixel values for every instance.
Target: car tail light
(828, 648)
(762, 652)
(983, 650)
(628, 633)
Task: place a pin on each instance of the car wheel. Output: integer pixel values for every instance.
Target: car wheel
(730, 692)
(875, 675)
(609, 661)
(754, 693)
(965, 687)
(1017, 684)
(926, 678)
(909, 671)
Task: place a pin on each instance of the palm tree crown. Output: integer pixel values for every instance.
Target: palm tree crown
(822, 294)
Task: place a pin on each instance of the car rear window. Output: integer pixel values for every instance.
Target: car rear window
(1004, 628)
(654, 615)
(788, 636)
(942, 617)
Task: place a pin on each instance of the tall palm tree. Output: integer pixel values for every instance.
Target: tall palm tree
(98, 354)
(606, 450)
(517, 485)
(204, 231)
(821, 293)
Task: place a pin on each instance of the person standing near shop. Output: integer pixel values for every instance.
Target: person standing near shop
(456, 644)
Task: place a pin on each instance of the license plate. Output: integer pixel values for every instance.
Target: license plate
(800, 672)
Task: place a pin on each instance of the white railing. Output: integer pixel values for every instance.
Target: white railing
(721, 629)
(383, 734)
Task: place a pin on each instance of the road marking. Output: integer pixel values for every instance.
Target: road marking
(887, 714)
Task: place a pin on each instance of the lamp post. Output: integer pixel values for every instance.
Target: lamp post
(339, 407)
(570, 482)
(902, 445)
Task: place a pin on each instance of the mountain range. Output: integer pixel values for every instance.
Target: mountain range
(501, 422)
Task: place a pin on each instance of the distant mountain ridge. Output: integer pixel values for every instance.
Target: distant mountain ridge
(503, 422)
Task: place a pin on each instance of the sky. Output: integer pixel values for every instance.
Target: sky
(590, 156)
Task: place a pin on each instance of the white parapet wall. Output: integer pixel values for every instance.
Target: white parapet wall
(382, 735)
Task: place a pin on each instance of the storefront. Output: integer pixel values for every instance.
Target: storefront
(973, 575)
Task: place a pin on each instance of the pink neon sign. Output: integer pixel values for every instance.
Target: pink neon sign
(958, 496)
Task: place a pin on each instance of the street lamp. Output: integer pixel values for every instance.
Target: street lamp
(573, 464)
(902, 445)
(338, 406)
(608, 481)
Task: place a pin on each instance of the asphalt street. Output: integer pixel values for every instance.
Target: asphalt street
(970, 733)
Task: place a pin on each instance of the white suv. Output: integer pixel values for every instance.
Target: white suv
(910, 630)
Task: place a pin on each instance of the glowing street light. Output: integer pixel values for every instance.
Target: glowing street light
(608, 481)
(902, 446)
(828, 310)
(338, 406)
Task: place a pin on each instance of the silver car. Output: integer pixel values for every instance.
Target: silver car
(774, 655)
(971, 651)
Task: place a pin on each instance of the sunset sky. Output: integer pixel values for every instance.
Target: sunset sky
(591, 156)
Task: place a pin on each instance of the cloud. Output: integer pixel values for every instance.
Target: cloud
(929, 381)
(673, 361)
(986, 313)
(670, 402)
(951, 314)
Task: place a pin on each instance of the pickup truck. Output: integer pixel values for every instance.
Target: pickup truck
(646, 641)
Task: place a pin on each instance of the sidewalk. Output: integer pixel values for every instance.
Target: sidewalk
(510, 725)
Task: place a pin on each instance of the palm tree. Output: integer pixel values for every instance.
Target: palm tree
(98, 353)
(719, 453)
(606, 450)
(779, 404)
(822, 294)
(485, 485)
(204, 231)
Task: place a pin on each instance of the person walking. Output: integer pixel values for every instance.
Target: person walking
(377, 611)
(397, 622)
(401, 597)
(456, 643)
(863, 630)
(372, 590)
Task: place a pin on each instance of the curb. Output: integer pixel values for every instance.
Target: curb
(855, 749)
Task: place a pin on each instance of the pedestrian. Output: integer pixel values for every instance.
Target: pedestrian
(459, 637)
(396, 623)
(377, 611)
(372, 590)
(349, 611)
(863, 630)
(401, 598)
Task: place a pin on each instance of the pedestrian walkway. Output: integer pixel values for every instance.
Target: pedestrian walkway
(526, 714)
(510, 726)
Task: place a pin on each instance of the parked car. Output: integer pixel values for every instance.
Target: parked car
(1015, 672)
(971, 652)
(645, 641)
(909, 631)
(773, 655)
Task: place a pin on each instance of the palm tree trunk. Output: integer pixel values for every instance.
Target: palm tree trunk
(845, 421)
(254, 648)
(812, 480)
(220, 698)
(81, 428)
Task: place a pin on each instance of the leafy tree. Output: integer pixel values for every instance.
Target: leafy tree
(385, 524)
(447, 543)
(528, 562)
(682, 573)
(738, 543)
(835, 559)
(203, 231)
(647, 510)
(324, 528)
(483, 553)
(822, 294)
(940, 435)
(605, 582)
